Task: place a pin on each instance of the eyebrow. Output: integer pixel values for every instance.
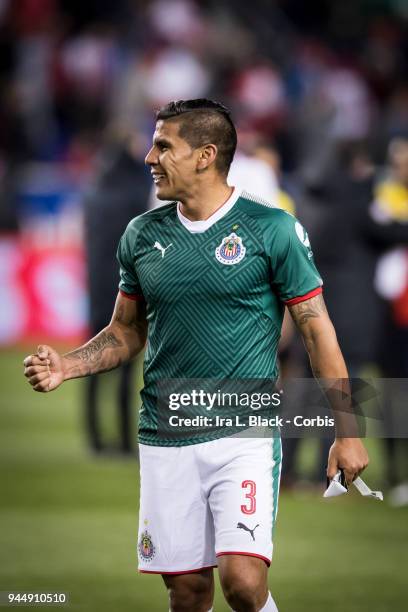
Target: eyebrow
(161, 141)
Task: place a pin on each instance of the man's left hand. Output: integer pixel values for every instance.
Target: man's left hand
(348, 454)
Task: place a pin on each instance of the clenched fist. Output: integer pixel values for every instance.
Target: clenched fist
(44, 370)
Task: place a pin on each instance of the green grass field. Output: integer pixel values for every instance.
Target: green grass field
(68, 522)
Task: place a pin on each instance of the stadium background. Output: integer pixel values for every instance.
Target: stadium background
(322, 87)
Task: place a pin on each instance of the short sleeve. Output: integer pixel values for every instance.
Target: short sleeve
(294, 276)
(129, 285)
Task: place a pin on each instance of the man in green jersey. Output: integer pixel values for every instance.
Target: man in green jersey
(206, 279)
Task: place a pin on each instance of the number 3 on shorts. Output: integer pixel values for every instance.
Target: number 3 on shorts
(250, 506)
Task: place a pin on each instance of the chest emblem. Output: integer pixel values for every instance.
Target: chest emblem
(162, 250)
(231, 250)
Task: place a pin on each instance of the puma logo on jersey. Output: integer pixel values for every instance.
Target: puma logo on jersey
(245, 528)
(162, 250)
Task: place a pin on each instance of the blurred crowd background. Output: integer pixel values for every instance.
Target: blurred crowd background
(319, 94)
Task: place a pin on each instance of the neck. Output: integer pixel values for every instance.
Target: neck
(201, 205)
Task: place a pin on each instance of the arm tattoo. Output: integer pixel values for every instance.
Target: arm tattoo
(92, 352)
(309, 309)
(120, 313)
(136, 321)
(124, 337)
(137, 324)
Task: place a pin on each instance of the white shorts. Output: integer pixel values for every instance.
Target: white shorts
(202, 501)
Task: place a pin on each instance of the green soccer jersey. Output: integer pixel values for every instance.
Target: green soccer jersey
(215, 298)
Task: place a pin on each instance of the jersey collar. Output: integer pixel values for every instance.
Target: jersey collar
(196, 227)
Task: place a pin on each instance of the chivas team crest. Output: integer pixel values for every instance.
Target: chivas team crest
(146, 546)
(231, 250)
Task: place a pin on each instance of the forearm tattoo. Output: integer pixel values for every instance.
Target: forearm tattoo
(92, 351)
(310, 309)
(117, 343)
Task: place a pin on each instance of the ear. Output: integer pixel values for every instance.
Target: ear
(206, 157)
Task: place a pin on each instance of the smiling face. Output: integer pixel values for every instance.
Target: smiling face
(173, 163)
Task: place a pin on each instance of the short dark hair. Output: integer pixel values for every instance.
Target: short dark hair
(203, 122)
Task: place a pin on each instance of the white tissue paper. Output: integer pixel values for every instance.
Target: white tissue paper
(337, 486)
